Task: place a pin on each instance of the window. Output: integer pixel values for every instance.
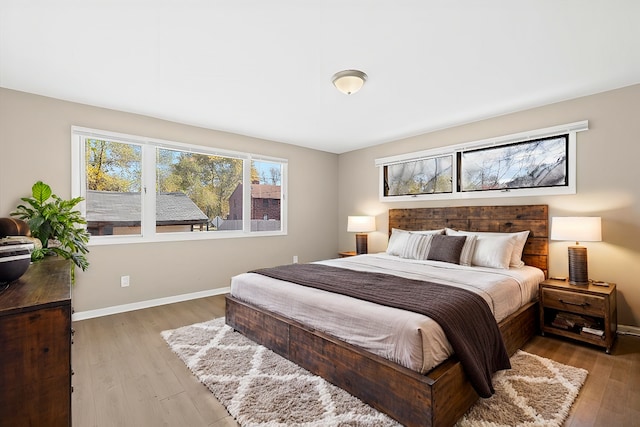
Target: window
(540, 162)
(113, 183)
(142, 189)
(423, 176)
(194, 188)
(532, 164)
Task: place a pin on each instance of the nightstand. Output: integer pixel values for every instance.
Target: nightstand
(347, 254)
(584, 313)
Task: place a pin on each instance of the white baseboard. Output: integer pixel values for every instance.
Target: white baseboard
(629, 330)
(89, 314)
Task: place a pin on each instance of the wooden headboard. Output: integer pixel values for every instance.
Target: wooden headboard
(504, 219)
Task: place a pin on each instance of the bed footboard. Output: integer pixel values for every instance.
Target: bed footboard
(438, 398)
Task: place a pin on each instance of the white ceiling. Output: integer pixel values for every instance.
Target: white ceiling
(263, 68)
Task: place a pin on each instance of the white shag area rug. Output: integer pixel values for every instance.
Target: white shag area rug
(261, 388)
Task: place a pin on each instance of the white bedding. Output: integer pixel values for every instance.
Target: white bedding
(409, 339)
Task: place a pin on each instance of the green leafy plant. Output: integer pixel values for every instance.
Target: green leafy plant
(56, 224)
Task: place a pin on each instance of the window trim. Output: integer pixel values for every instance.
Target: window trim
(149, 145)
(570, 129)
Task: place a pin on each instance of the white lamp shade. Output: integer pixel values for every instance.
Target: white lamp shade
(361, 224)
(349, 81)
(576, 228)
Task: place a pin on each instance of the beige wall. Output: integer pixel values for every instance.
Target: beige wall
(35, 144)
(608, 184)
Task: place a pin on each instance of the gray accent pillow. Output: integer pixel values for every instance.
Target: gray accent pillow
(446, 248)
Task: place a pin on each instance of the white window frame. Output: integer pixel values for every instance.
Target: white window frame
(570, 129)
(148, 224)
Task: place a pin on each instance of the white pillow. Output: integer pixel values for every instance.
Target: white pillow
(466, 256)
(417, 246)
(399, 238)
(397, 242)
(493, 251)
(440, 231)
(518, 248)
(469, 245)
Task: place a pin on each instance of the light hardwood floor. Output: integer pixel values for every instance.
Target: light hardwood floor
(125, 374)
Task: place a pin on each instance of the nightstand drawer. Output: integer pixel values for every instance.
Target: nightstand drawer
(573, 302)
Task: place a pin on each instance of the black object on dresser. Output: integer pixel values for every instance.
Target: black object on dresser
(35, 347)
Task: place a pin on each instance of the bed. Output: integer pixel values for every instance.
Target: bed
(435, 392)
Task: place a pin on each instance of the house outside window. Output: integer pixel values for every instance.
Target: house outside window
(113, 172)
(266, 196)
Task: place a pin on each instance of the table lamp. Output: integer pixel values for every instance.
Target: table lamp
(577, 229)
(361, 225)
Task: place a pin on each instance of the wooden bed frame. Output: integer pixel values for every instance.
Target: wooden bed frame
(443, 395)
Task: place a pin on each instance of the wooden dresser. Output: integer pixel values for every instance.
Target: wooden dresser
(35, 347)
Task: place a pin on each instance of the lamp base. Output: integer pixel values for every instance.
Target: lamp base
(578, 274)
(361, 244)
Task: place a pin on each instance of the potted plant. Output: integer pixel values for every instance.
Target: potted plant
(56, 224)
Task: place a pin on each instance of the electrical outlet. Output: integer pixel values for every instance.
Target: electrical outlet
(295, 259)
(124, 281)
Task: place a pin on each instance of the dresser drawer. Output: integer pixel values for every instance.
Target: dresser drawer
(573, 302)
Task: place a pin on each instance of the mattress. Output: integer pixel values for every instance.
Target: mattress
(407, 338)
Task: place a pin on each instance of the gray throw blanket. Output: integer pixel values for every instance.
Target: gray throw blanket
(464, 316)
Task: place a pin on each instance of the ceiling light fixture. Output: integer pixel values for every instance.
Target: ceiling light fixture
(349, 81)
